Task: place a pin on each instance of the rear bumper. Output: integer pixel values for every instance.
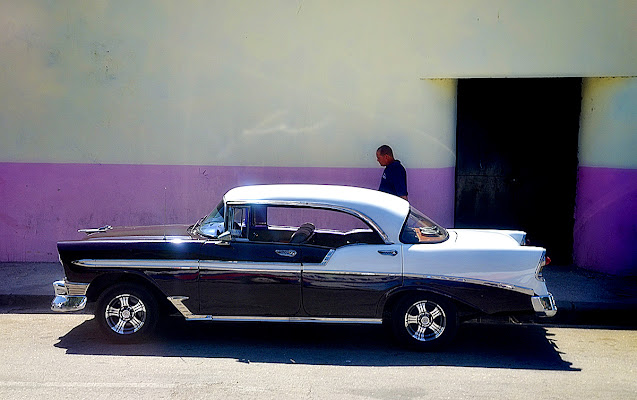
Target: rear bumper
(544, 305)
(69, 296)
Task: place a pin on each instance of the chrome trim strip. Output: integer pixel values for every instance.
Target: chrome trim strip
(76, 289)
(177, 301)
(249, 266)
(351, 211)
(141, 264)
(64, 287)
(325, 260)
(474, 281)
(328, 256)
(139, 239)
(192, 264)
(372, 321)
(355, 273)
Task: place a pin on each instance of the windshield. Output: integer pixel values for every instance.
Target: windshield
(420, 229)
(212, 225)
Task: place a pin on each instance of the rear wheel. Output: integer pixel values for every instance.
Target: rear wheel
(127, 312)
(424, 322)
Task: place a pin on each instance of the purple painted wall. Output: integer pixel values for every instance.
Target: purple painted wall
(605, 234)
(44, 203)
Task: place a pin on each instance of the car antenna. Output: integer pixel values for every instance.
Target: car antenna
(165, 212)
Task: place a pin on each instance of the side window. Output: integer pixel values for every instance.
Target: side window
(322, 227)
(420, 229)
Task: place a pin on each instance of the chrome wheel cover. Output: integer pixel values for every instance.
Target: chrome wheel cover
(125, 314)
(425, 321)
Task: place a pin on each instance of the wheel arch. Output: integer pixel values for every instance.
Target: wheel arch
(110, 279)
(463, 308)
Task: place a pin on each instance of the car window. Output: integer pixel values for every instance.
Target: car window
(420, 229)
(239, 222)
(213, 224)
(322, 219)
(323, 227)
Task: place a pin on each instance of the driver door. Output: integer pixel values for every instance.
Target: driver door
(249, 277)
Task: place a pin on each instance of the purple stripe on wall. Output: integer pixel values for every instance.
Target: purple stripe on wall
(44, 203)
(605, 234)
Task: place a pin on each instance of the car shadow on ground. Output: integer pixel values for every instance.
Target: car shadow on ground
(476, 345)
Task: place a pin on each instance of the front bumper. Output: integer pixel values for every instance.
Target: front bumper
(544, 305)
(69, 296)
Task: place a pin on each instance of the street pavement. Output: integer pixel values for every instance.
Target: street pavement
(583, 297)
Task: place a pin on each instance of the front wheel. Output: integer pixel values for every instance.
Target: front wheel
(127, 313)
(424, 322)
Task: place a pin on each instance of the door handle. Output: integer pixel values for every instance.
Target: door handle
(286, 253)
(388, 252)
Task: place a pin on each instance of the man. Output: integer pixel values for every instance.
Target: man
(394, 180)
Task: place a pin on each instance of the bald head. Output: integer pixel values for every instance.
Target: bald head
(384, 155)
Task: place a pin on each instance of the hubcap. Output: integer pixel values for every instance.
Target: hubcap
(425, 321)
(125, 314)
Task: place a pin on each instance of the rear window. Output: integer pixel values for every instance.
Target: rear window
(420, 229)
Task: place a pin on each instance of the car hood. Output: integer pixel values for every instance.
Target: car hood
(142, 232)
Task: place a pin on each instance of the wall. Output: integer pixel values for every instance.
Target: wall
(146, 112)
(606, 210)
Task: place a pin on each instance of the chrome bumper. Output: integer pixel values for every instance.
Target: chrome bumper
(544, 305)
(69, 296)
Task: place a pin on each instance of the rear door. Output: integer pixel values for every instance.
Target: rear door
(352, 280)
(347, 267)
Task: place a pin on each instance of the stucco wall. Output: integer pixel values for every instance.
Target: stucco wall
(606, 206)
(110, 110)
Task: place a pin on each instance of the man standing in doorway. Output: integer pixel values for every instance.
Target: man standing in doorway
(394, 180)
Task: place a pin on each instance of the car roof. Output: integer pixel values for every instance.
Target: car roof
(387, 211)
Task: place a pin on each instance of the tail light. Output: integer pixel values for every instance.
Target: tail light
(544, 261)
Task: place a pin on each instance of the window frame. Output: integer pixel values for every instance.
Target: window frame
(230, 206)
(442, 239)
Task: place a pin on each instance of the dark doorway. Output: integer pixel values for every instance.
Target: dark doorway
(516, 167)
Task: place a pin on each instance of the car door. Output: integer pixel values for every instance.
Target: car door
(351, 281)
(348, 268)
(247, 276)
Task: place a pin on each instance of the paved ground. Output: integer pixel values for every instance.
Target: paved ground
(583, 297)
(63, 355)
(588, 351)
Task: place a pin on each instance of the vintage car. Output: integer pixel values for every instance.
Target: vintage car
(304, 253)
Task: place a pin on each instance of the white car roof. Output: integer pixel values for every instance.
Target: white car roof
(387, 211)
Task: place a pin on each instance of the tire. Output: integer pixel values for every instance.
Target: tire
(424, 322)
(127, 313)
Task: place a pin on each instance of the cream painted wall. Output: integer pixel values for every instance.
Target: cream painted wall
(608, 128)
(282, 83)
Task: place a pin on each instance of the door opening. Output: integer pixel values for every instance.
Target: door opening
(516, 166)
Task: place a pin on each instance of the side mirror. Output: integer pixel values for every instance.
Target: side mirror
(225, 237)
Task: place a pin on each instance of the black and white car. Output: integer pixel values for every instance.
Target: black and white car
(304, 253)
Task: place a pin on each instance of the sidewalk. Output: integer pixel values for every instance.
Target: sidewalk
(591, 298)
(583, 297)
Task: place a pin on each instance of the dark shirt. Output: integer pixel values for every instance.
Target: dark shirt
(394, 180)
